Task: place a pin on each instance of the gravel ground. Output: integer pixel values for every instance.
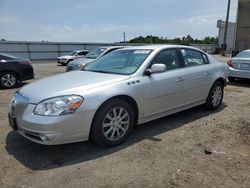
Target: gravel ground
(169, 152)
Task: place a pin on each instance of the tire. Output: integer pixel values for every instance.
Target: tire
(215, 96)
(231, 79)
(8, 80)
(108, 130)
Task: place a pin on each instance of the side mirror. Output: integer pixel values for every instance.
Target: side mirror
(158, 68)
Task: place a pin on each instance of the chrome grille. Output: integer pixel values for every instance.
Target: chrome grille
(18, 104)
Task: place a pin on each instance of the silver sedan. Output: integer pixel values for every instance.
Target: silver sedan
(126, 87)
(239, 66)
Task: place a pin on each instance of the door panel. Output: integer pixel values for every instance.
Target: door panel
(197, 73)
(198, 81)
(162, 92)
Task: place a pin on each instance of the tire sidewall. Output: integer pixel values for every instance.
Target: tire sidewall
(209, 103)
(97, 129)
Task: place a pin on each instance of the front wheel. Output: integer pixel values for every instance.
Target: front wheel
(112, 123)
(215, 96)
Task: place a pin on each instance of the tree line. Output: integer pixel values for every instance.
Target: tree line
(184, 40)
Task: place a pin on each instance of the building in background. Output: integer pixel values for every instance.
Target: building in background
(230, 34)
(242, 40)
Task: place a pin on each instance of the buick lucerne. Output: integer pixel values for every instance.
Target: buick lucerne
(128, 86)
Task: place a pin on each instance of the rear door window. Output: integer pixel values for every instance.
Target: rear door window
(193, 58)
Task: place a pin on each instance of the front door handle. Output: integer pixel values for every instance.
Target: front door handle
(180, 79)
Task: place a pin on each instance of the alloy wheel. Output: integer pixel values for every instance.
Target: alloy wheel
(217, 96)
(116, 123)
(8, 80)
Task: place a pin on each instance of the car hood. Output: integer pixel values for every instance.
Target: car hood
(80, 61)
(76, 82)
(65, 57)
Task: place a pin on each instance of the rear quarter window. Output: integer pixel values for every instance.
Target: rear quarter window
(194, 58)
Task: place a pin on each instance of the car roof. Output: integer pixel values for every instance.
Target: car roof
(158, 46)
(111, 47)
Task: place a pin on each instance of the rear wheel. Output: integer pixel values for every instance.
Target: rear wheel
(112, 123)
(215, 96)
(8, 80)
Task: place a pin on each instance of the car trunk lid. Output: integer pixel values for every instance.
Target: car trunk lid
(241, 63)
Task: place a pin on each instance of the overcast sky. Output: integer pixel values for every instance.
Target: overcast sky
(106, 20)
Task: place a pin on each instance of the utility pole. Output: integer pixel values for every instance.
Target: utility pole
(124, 37)
(226, 28)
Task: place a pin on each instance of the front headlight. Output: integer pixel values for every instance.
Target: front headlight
(59, 105)
(81, 66)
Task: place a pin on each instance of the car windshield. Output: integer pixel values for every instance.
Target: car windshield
(244, 54)
(95, 53)
(7, 56)
(72, 53)
(124, 62)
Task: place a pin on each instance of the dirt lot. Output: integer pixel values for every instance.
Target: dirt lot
(168, 152)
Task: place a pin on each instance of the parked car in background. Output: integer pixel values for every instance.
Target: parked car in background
(125, 87)
(91, 56)
(239, 66)
(64, 60)
(13, 70)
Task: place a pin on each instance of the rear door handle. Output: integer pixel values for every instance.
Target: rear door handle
(180, 79)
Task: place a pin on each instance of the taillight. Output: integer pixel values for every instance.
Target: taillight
(230, 64)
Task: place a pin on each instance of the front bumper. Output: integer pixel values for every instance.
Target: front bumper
(239, 73)
(62, 61)
(52, 130)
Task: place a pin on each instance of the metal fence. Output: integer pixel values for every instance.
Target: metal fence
(51, 50)
(209, 48)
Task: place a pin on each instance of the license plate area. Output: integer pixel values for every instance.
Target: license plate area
(12, 122)
(245, 65)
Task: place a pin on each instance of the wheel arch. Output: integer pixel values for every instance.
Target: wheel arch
(131, 101)
(221, 80)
